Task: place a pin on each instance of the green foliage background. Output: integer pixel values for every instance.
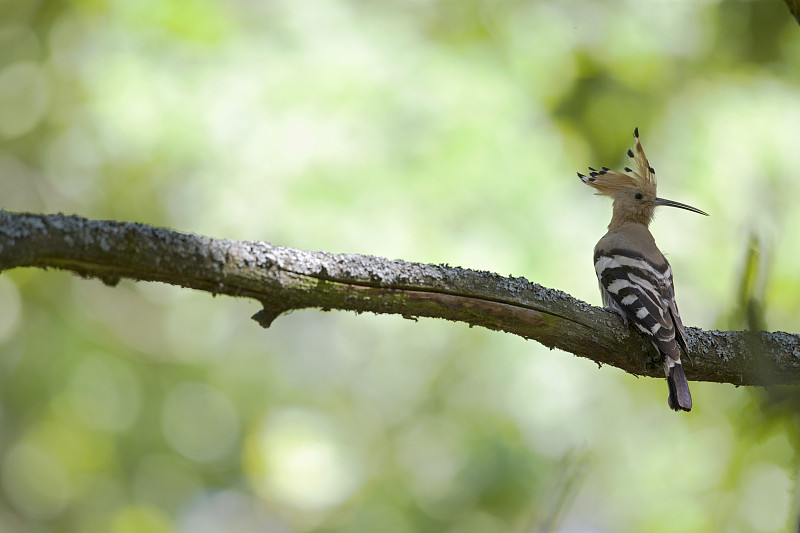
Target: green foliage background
(436, 131)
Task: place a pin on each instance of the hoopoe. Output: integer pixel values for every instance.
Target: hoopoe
(635, 277)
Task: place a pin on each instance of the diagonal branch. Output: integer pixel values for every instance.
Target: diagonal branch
(284, 279)
(794, 9)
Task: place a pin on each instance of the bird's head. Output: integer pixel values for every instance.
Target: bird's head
(634, 192)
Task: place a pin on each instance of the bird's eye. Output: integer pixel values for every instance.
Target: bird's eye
(638, 196)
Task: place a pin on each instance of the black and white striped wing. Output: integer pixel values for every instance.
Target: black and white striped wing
(642, 293)
(680, 333)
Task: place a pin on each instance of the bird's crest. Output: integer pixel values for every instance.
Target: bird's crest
(639, 175)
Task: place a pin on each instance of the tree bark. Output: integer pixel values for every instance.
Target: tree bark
(285, 279)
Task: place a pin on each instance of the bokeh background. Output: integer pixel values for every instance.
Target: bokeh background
(435, 131)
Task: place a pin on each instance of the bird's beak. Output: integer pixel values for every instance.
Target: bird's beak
(663, 201)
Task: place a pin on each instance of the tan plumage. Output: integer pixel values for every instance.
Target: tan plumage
(635, 278)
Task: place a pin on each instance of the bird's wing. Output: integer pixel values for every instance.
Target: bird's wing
(643, 292)
(669, 294)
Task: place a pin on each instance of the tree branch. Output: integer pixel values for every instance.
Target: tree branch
(794, 9)
(284, 279)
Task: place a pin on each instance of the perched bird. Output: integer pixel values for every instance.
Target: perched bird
(635, 277)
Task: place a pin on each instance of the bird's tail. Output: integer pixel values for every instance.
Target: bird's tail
(680, 399)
